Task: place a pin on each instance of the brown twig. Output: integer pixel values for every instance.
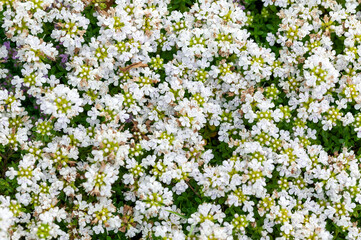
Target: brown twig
(133, 65)
(193, 189)
(5, 158)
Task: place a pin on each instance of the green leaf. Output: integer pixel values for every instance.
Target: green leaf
(180, 215)
(192, 229)
(269, 26)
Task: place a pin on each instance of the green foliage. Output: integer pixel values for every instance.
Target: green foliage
(337, 232)
(93, 28)
(189, 200)
(337, 138)
(338, 45)
(263, 20)
(7, 159)
(181, 5)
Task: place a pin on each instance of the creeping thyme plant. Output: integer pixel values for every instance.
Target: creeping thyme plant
(180, 119)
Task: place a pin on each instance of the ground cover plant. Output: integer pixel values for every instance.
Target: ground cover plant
(180, 119)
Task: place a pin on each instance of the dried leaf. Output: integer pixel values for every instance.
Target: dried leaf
(133, 65)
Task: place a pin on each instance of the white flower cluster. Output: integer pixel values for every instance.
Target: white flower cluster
(123, 115)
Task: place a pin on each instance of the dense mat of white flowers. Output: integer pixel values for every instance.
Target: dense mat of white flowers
(130, 115)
